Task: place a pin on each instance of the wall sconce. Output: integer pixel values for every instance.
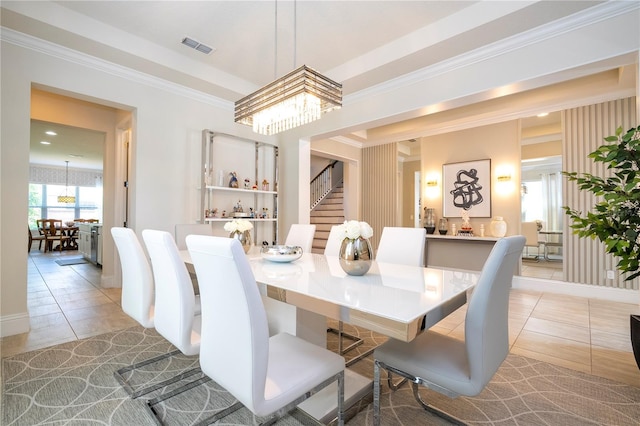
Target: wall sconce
(431, 183)
(504, 180)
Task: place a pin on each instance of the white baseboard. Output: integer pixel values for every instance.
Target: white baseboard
(14, 324)
(108, 281)
(575, 289)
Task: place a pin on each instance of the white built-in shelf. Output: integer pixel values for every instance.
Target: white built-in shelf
(245, 191)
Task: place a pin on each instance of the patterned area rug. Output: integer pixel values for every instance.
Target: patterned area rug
(73, 383)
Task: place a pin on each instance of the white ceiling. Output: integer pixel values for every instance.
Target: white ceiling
(83, 148)
(358, 43)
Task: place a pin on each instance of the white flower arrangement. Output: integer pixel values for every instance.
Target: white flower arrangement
(238, 225)
(353, 229)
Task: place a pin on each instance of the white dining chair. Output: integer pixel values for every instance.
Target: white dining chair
(184, 229)
(332, 248)
(403, 246)
(458, 367)
(334, 240)
(268, 375)
(530, 232)
(176, 318)
(137, 298)
(301, 235)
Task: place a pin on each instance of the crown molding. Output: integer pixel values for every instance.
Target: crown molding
(348, 141)
(581, 19)
(60, 52)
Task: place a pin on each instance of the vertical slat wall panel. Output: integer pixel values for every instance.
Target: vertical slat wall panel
(379, 188)
(585, 128)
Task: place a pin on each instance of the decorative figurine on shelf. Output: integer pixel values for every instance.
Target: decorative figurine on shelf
(466, 229)
(247, 183)
(238, 208)
(265, 213)
(265, 185)
(224, 213)
(233, 181)
(255, 186)
(252, 214)
(207, 213)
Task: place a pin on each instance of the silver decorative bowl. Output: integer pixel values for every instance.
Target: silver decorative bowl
(70, 223)
(281, 253)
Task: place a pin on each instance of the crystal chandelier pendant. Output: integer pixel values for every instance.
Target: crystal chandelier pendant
(298, 98)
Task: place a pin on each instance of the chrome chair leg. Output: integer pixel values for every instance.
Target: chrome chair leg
(433, 410)
(119, 375)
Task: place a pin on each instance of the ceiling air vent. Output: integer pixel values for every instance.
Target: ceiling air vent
(197, 45)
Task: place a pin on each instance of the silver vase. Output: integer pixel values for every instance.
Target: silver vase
(244, 237)
(355, 256)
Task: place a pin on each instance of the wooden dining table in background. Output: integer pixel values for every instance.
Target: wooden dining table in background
(72, 242)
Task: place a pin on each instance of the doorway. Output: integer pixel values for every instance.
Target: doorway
(67, 109)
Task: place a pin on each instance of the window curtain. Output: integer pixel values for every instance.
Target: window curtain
(552, 201)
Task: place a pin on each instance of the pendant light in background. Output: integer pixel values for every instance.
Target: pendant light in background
(66, 198)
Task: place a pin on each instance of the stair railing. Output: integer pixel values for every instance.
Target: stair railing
(322, 184)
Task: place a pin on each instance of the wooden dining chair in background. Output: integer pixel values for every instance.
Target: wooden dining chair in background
(52, 230)
(39, 238)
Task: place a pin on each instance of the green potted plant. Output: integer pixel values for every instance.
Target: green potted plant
(615, 219)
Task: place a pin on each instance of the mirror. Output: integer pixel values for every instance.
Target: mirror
(409, 167)
(541, 195)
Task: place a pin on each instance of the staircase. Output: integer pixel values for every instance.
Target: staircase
(329, 212)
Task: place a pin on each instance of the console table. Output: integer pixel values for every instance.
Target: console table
(447, 251)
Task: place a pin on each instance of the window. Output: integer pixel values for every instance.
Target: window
(43, 203)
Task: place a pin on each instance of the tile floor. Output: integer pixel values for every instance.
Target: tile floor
(589, 335)
(551, 270)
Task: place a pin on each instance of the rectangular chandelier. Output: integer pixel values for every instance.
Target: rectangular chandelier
(298, 98)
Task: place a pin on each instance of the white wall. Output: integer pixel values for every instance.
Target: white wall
(165, 153)
(168, 120)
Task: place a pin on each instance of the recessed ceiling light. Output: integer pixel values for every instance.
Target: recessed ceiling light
(51, 133)
(543, 114)
(45, 143)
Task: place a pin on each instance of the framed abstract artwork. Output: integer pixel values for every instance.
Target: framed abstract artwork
(466, 187)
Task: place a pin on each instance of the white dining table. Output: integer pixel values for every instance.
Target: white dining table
(398, 301)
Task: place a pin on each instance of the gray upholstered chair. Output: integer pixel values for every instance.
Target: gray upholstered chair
(451, 366)
(301, 235)
(268, 375)
(404, 246)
